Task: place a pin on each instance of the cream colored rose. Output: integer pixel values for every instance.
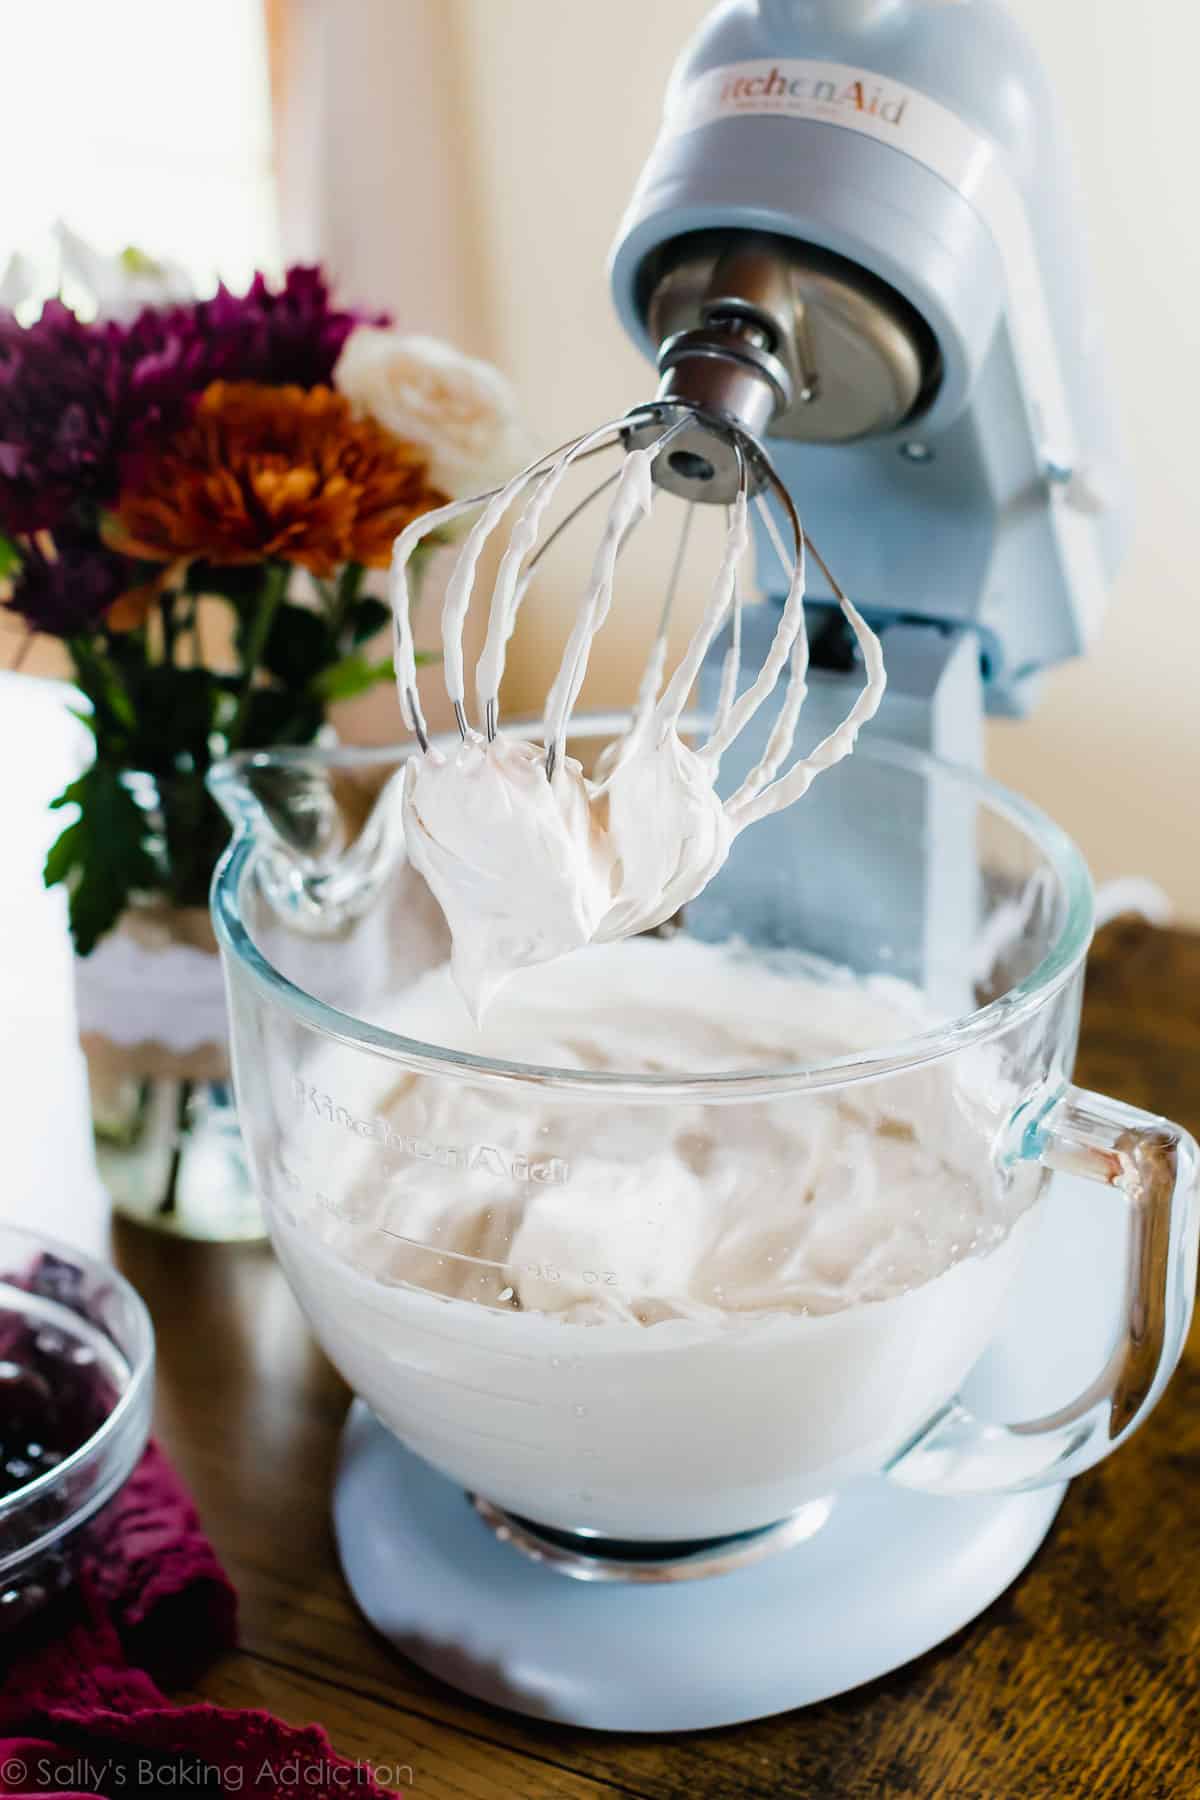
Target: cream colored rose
(461, 411)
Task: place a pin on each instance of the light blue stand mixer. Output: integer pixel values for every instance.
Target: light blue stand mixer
(857, 234)
(855, 242)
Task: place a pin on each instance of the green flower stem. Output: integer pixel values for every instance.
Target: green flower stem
(349, 582)
(22, 651)
(166, 608)
(101, 680)
(183, 1106)
(274, 586)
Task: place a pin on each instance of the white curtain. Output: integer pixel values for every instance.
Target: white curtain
(372, 170)
(375, 183)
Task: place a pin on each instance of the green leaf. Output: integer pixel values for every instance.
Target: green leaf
(176, 710)
(273, 716)
(354, 674)
(62, 855)
(349, 583)
(104, 687)
(298, 644)
(127, 653)
(10, 557)
(239, 583)
(195, 831)
(368, 617)
(102, 856)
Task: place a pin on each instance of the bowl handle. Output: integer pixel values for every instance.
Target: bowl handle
(1156, 1166)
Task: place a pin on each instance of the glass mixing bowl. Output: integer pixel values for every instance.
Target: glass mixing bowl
(530, 1358)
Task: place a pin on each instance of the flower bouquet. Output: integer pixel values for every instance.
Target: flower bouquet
(194, 495)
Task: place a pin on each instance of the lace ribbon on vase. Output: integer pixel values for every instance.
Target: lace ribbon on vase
(171, 994)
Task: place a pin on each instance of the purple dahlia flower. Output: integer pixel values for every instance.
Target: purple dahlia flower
(293, 336)
(69, 595)
(60, 387)
(77, 401)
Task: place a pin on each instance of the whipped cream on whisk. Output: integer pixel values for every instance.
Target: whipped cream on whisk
(520, 865)
(528, 857)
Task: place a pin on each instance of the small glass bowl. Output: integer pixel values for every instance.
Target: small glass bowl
(77, 1369)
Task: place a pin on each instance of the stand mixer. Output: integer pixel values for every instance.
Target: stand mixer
(851, 256)
(857, 234)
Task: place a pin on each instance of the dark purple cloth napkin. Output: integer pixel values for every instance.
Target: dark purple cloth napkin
(81, 1711)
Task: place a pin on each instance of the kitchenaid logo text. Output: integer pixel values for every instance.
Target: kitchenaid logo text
(831, 93)
(861, 95)
(506, 1165)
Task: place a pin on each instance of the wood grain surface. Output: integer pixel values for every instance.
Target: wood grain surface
(1084, 1679)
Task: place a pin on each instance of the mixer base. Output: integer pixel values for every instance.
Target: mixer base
(891, 1574)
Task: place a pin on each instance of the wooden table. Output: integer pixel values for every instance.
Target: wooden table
(1082, 1680)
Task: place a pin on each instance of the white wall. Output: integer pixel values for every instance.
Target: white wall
(561, 102)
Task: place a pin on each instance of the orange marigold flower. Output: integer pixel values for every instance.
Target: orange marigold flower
(273, 472)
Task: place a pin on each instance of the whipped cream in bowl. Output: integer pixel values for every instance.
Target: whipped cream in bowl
(654, 1316)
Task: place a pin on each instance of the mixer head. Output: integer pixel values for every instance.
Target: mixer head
(856, 236)
(760, 334)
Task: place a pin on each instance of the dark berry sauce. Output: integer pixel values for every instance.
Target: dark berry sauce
(53, 1398)
(59, 1380)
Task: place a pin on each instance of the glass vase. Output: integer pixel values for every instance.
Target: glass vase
(152, 1025)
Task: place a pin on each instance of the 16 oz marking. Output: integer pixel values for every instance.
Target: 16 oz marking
(592, 1277)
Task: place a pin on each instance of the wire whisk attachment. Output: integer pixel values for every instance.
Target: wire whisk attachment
(527, 855)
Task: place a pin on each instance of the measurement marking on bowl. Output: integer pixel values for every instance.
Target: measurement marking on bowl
(437, 1425)
(444, 1337)
(589, 1277)
(471, 1387)
(548, 1272)
(492, 1437)
(426, 1249)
